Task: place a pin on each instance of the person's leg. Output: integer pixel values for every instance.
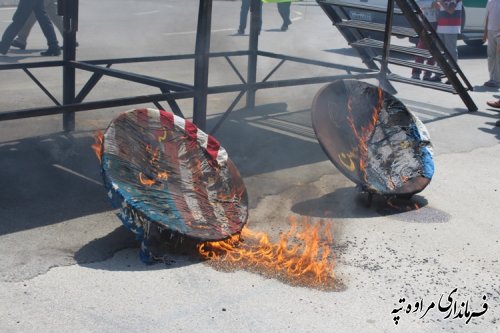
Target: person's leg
(431, 61)
(284, 11)
(22, 37)
(491, 50)
(23, 11)
(245, 7)
(451, 45)
(497, 57)
(415, 73)
(51, 9)
(47, 28)
(494, 56)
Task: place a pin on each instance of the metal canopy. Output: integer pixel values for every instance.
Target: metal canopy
(170, 91)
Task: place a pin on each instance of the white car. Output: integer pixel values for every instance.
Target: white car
(473, 16)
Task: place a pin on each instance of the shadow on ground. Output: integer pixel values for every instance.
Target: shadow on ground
(47, 180)
(349, 202)
(268, 138)
(119, 239)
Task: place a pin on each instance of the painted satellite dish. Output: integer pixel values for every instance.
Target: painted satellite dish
(372, 138)
(161, 170)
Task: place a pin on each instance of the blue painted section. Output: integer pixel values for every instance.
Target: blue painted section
(427, 160)
(161, 210)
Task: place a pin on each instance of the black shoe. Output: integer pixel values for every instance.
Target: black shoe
(241, 32)
(3, 48)
(18, 44)
(284, 27)
(51, 52)
(435, 78)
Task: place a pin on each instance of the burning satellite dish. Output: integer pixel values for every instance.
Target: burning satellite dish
(372, 138)
(165, 174)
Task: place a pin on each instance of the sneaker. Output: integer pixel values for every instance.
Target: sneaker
(415, 76)
(435, 78)
(51, 52)
(18, 44)
(492, 84)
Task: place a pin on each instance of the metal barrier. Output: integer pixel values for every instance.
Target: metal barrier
(171, 91)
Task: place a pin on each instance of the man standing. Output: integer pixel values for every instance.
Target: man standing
(245, 8)
(492, 35)
(449, 22)
(429, 9)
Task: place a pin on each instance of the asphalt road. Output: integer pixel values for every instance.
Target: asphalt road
(67, 264)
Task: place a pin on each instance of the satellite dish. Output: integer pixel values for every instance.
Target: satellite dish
(162, 171)
(372, 138)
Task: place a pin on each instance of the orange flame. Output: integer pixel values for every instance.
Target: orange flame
(145, 181)
(162, 175)
(305, 262)
(97, 146)
(365, 132)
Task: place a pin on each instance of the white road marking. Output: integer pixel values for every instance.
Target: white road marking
(76, 174)
(193, 32)
(147, 13)
(300, 16)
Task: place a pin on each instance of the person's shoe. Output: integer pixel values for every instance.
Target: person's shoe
(494, 104)
(427, 78)
(3, 48)
(18, 44)
(241, 32)
(284, 27)
(51, 52)
(435, 78)
(491, 84)
(415, 76)
(497, 123)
